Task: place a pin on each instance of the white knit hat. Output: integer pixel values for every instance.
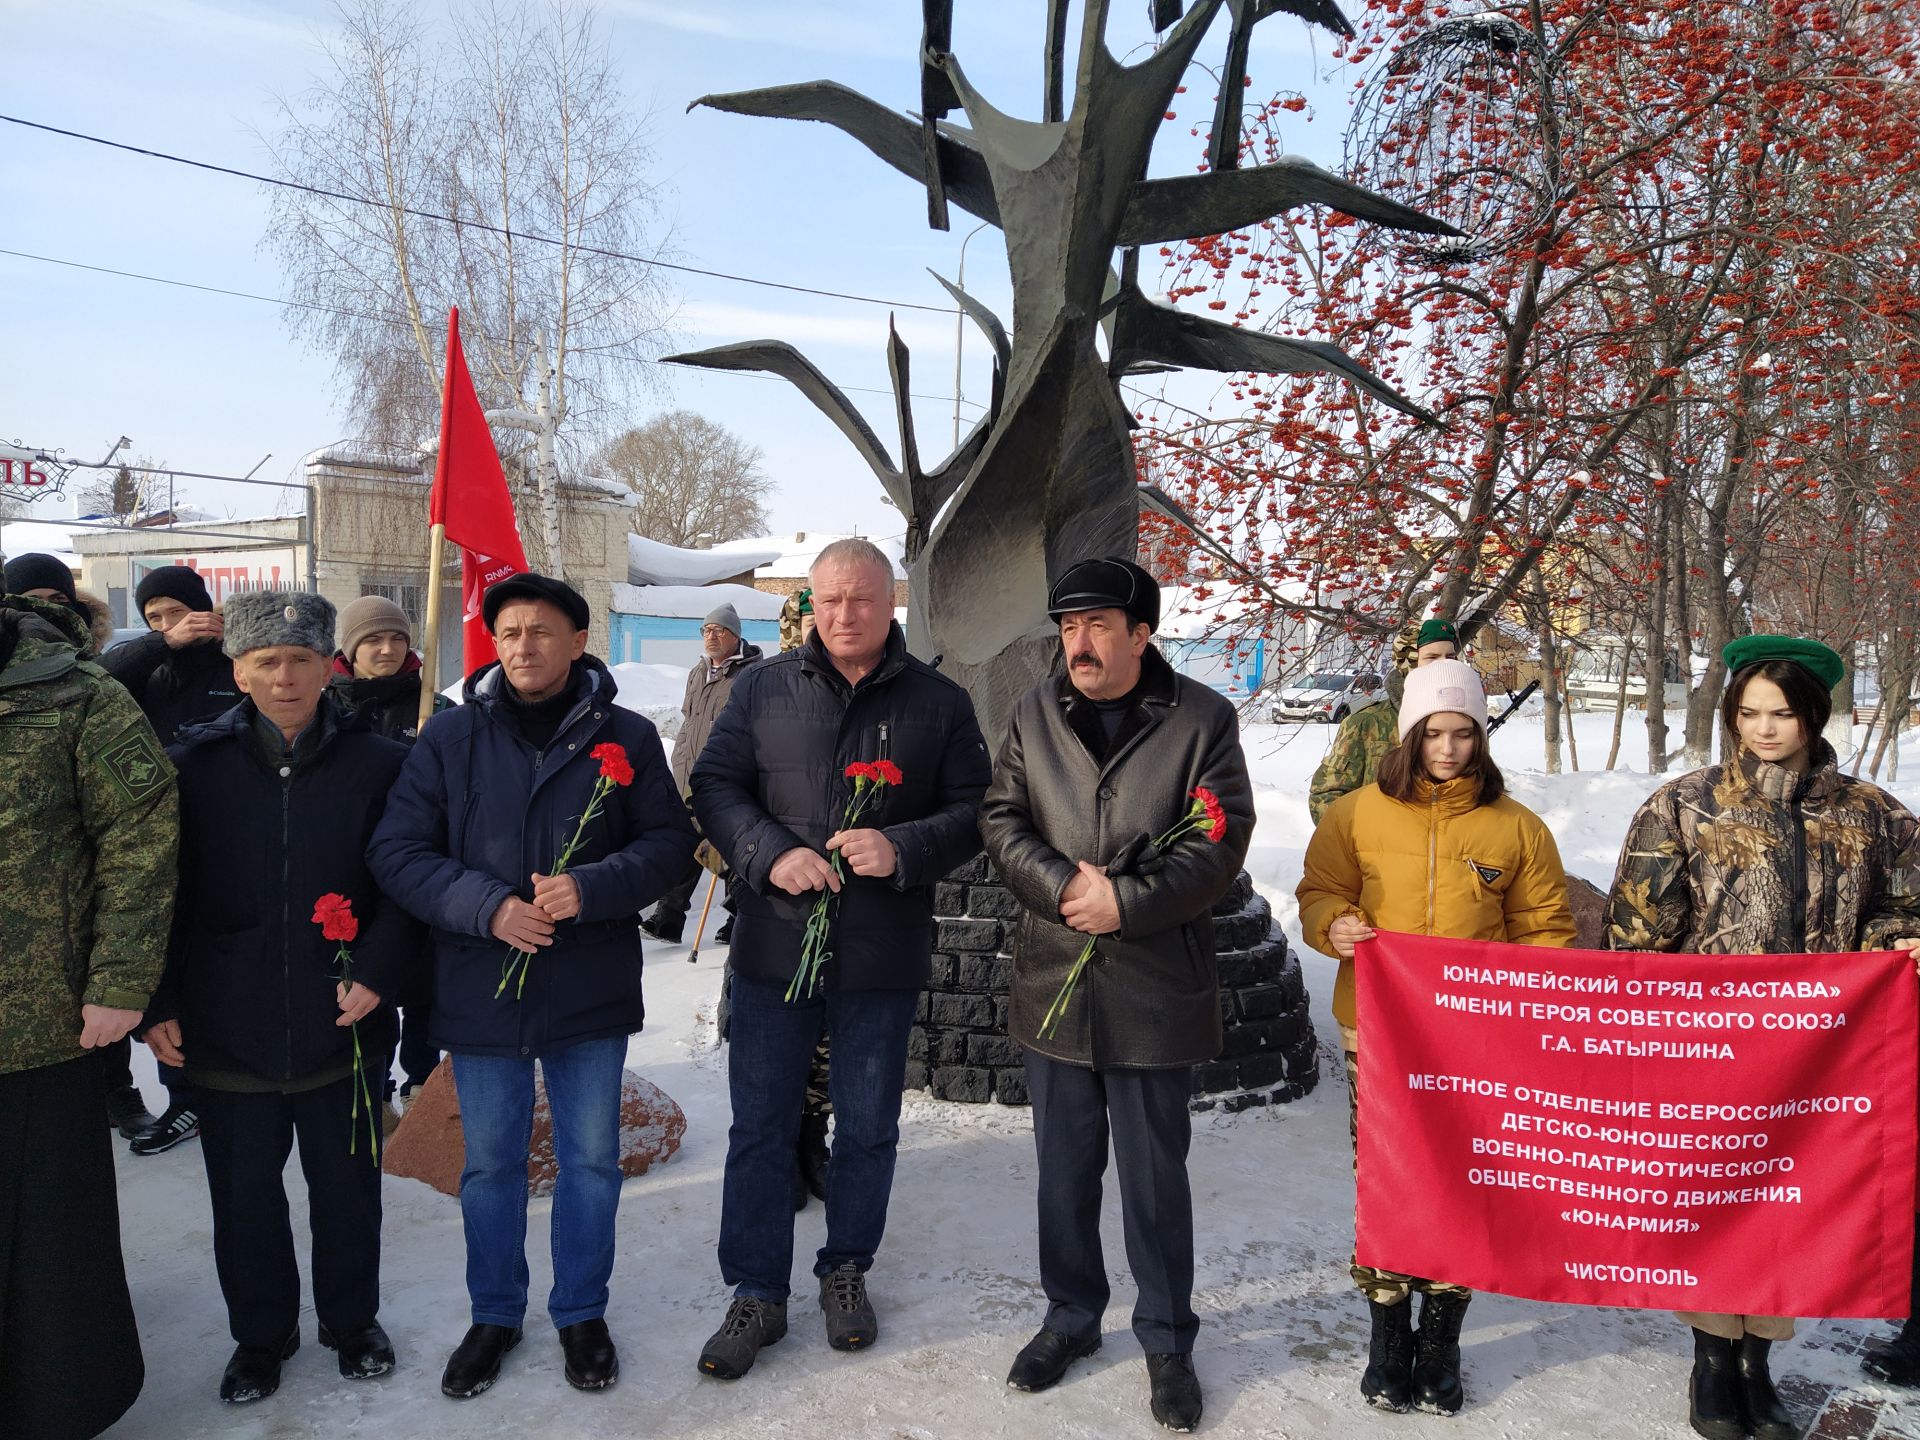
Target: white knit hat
(1442, 687)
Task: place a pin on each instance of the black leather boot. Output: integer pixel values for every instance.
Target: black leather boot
(1897, 1361)
(592, 1362)
(254, 1373)
(1388, 1380)
(363, 1354)
(1436, 1353)
(1767, 1418)
(1714, 1406)
(475, 1362)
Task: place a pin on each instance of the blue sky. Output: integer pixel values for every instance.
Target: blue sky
(212, 384)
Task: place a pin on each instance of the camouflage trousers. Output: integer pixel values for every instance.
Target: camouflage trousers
(1384, 1287)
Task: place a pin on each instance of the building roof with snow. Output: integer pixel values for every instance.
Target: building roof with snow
(649, 562)
(695, 602)
(794, 555)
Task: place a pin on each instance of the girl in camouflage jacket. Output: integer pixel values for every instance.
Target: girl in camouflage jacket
(1772, 851)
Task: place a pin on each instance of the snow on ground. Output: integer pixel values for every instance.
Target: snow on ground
(1283, 1334)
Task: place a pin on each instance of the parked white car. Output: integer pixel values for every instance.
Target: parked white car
(1329, 697)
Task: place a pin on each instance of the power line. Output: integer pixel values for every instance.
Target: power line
(510, 234)
(382, 319)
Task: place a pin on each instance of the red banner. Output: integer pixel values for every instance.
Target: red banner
(1723, 1133)
(470, 498)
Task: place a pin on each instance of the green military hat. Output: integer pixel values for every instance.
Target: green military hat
(805, 597)
(1435, 630)
(1822, 660)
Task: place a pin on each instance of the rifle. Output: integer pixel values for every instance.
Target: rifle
(1515, 702)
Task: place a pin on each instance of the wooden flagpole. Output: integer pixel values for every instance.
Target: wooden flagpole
(430, 647)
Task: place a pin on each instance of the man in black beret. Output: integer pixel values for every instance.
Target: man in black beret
(492, 792)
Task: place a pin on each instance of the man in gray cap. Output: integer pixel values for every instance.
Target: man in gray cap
(1096, 766)
(723, 655)
(279, 1036)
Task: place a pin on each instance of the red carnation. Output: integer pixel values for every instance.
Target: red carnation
(859, 770)
(1216, 813)
(334, 915)
(614, 764)
(886, 772)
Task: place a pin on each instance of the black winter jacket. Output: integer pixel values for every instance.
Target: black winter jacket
(1150, 998)
(772, 777)
(249, 976)
(174, 688)
(390, 704)
(478, 810)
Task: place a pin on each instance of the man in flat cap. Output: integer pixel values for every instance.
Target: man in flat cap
(279, 1037)
(723, 655)
(180, 676)
(491, 794)
(1096, 766)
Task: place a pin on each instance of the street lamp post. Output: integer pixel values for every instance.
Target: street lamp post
(960, 330)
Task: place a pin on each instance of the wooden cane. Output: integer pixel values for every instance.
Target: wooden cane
(693, 955)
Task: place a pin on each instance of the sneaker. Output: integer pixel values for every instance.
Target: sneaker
(180, 1123)
(127, 1111)
(851, 1323)
(751, 1325)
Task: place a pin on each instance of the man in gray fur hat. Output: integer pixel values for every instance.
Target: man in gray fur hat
(281, 1037)
(723, 655)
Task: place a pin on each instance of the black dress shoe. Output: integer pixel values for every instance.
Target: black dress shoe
(592, 1362)
(254, 1373)
(127, 1112)
(475, 1362)
(1175, 1397)
(1045, 1358)
(363, 1354)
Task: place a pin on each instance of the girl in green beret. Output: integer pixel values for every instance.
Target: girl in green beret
(1771, 852)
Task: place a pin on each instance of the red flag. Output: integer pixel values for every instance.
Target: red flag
(1727, 1133)
(470, 498)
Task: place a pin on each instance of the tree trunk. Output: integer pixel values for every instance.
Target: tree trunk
(1657, 642)
(1620, 700)
(1550, 668)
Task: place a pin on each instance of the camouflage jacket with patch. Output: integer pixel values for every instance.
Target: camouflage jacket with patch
(89, 828)
(1358, 746)
(1752, 859)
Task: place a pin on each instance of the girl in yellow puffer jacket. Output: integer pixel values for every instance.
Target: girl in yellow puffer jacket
(1433, 847)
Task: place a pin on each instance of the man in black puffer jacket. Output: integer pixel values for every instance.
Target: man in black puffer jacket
(278, 799)
(770, 790)
(491, 795)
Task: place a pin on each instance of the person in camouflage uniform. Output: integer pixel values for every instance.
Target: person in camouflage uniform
(89, 829)
(1773, 851)
(1365, 736)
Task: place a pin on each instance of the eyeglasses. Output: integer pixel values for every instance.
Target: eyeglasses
(707, 632)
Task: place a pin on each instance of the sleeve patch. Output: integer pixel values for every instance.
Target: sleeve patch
(137, 766)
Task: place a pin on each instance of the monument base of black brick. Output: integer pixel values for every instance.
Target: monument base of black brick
(960, 1049)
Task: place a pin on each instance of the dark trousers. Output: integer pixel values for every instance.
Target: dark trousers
(770, 1048)
(245, 1140)
(116, 1061)
(69, 1353)
(1075, 1111)
(674, 906)
(418, 1054)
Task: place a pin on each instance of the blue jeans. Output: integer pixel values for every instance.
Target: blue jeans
(770, 1045)
(496, 1113)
